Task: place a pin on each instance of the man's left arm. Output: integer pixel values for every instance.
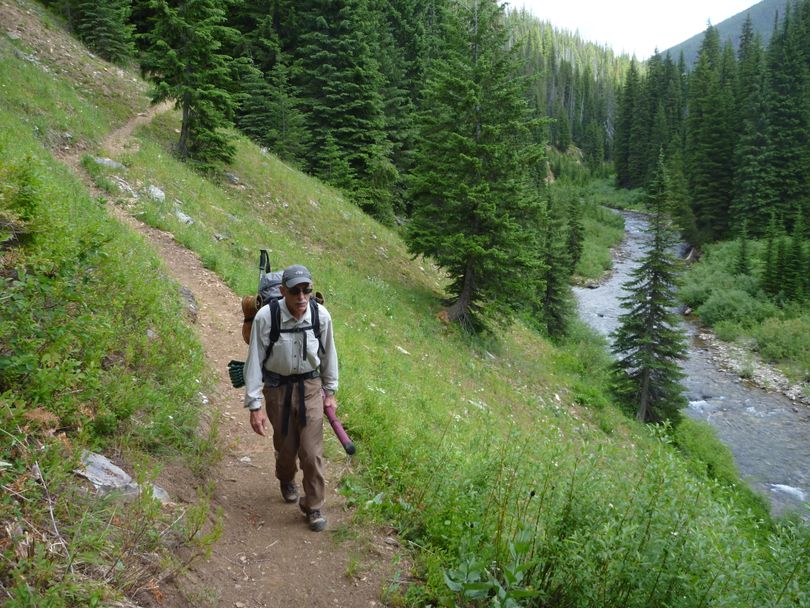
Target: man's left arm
(329, 363)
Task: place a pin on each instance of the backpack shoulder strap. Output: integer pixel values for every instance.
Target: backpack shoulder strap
(275, 328)
(315, 315)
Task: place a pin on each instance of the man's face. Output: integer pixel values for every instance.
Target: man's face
(297, 298)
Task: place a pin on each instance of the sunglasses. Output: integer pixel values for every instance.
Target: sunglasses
(299, 290)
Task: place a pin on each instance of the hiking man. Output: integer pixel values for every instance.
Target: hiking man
(289, 366)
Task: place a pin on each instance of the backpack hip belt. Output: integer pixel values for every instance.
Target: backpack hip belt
(274, 380)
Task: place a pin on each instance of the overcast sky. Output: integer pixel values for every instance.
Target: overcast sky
(634, 26)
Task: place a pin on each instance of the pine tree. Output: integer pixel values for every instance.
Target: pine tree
(754, 194)
(770, 280)
(681, 211)
(742, 261)
(710, 137)
(473, 210)
(575, 234)
(648, 343)
(103, 26)
(789, 116)
(183, 59)
(623, 143)
(794, 266)
(341, 96)
(556, 295)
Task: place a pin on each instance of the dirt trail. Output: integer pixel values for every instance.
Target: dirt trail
(267, 556)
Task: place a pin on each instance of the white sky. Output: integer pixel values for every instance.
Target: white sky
(634, 26)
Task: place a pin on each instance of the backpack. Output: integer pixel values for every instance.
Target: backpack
(269, 293)
(269, 290)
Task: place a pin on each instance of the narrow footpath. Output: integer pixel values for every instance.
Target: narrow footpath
(267, 556)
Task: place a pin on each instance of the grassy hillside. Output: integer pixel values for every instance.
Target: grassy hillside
(502, 463)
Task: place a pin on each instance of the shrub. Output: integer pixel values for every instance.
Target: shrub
(734, 305)
(785, 339)
(728, 331)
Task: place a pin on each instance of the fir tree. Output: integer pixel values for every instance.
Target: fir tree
(742, 261)
(103, 26)
(472, 205)
(710, 138)
(628, 102)
(183, 59)
(556, 295)
(648, 343)
(770, 276)
(794, 266)
(788, 79)
(575, 239)
(679, 195)
(341, 96)
(754, 194)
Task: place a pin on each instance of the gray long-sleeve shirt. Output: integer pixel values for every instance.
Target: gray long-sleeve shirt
(287, 357)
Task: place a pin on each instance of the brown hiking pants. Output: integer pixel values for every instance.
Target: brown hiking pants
(304, 442)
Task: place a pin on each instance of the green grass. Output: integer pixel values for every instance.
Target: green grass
(462, 442)
(503, 463)
(94, 354)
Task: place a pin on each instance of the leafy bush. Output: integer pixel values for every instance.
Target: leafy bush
(734, 305)
(728, 331)
(785, 339)
(707, 455)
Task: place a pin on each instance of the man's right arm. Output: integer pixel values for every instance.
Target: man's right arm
(259, 338)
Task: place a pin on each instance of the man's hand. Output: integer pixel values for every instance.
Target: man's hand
(259, 421)
(329, 401)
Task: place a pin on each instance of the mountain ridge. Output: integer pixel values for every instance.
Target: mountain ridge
(763, 15)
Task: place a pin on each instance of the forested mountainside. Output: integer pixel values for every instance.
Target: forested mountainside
(763, 15)
(733, 130)
(283, 71)
(572, 81)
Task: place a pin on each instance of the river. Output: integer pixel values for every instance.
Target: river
(768, 433)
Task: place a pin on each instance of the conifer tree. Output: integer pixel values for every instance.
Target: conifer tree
(628, 104)
(268, 111)
(789, 116)
(473, 210)
(648, 343)
(103, 26)
(556, 298)
(742, 261)
(341, 96)
(184, 61)
(575, 234)
(681, 210)
(710, 138)
(794, 266)
(754, 194)
(770, 277)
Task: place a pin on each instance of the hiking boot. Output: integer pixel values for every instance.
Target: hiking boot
(289, 491)
(315, 520)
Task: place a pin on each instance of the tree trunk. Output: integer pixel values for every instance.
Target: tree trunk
(460, 309)
(641, 414)
(182, 145)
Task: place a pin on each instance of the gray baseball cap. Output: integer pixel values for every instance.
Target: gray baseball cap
(294, 275)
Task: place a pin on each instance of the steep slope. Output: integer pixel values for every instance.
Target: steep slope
(265, 556)
(499, 461)
(763, 16)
